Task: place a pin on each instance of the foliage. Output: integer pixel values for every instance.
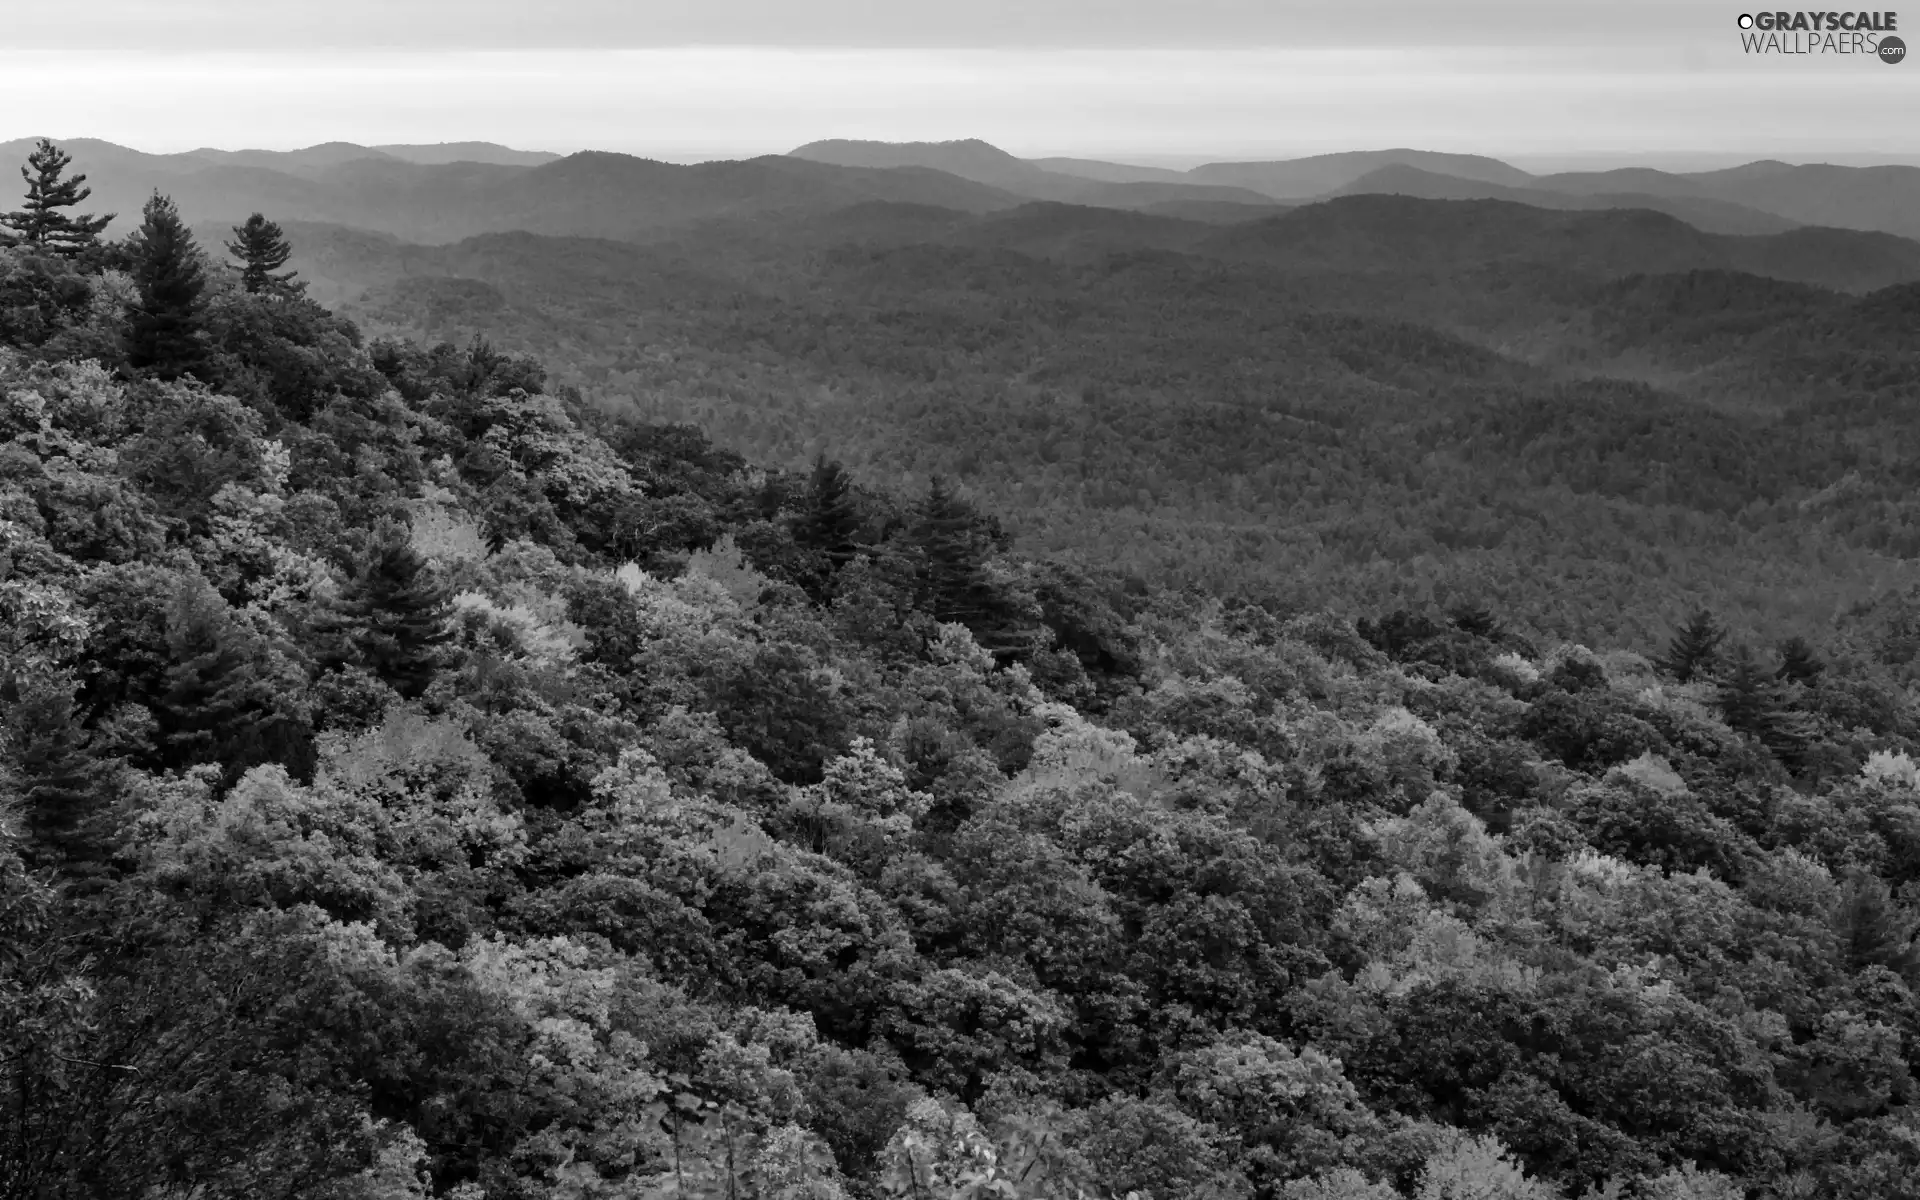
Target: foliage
(417, 781)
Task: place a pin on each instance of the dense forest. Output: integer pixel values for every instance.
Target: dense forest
(1392, 403)
(426, 778)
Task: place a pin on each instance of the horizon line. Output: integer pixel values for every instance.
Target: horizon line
(1562, 160)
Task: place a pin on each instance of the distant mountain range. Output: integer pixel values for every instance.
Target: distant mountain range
(409, 192)
(1377, 233)
(1702, 212)
(443, 193)
(1124, 187)
(1761, 197)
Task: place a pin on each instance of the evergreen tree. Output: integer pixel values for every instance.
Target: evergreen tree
(392, 616)
(1695, 649)
(40, 223)
(1798, 662)
(829, 521)
(1754, 702)
(169, 271)
(230, 698)
(948, 535)
(52, 773)
(955, 544)
(262, 251)
(1748, 696)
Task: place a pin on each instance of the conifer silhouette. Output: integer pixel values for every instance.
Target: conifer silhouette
(948, 534)
(392, 615)
(1695, 650)
(830, 516)
(40, 223)
(227, 698)
(169, 272)
(262, 250)
(1752, 700)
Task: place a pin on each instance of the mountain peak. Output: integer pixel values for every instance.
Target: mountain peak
(847, 152)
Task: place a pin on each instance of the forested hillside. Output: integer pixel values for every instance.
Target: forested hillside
(1592, 421)
(421, 779)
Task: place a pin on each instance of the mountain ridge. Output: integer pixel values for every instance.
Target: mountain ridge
(1756, 197)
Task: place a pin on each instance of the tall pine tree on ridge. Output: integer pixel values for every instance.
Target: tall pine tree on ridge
(163, 324)
(262, 250)
(40, 223)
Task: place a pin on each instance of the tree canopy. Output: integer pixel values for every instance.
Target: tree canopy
(419, 780)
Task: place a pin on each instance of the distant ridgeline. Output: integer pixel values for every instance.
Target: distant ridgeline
(423, 778)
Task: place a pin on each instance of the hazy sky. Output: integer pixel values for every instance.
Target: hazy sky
(1209, 78)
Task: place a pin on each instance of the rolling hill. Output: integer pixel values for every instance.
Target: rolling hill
(1300, 178)
(1384, 232)
(482, 152)
(1884, 198)
(1590, 417)
(1114, 187)
(1109, 172)
(1702, 212)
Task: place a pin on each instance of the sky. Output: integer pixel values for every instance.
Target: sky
(1544, 82)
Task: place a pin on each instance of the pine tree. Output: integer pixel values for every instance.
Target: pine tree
(230, 698)
(169, 272)
(1798, 662)
(1754, 702)
(1748, 696)
(40, 223)
(51, 768)
(263, 250)
(948, 535)
(1695, 649)
(829, 519)
(392, 616)
(955, 543)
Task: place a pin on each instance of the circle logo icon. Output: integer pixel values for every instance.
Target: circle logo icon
(1892, 50)
(1746, 21)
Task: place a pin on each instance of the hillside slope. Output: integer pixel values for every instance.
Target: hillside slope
(425, 777)
(1242, 424)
